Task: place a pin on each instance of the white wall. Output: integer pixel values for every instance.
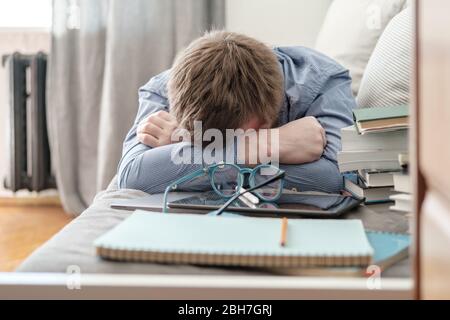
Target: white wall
(277, 22)
(25, 13)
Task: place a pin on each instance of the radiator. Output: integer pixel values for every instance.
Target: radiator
(29, 152)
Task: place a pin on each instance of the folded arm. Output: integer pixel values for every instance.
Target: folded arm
(333, 110)
(152, 169)
(308, 164)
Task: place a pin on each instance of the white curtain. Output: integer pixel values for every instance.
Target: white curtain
(102, 52)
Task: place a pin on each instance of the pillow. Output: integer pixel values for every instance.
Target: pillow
(351, 30)
(387, 76)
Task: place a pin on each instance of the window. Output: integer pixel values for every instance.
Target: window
(35, 14)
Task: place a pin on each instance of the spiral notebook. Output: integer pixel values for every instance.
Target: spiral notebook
(389, 249)
(216, 240)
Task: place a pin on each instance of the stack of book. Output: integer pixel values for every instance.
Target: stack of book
(370, 152)
(402, 184)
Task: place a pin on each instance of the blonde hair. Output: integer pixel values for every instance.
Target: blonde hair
(225, 79)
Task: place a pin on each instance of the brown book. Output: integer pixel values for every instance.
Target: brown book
(383, 124)
(379, 119)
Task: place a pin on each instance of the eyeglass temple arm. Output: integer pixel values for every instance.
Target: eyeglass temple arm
(233, 198)
(188, 177)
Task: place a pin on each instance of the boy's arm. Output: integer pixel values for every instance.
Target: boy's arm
(333, 110)
(147, 164)
(318, 134)
(307, 152)
(152, 169)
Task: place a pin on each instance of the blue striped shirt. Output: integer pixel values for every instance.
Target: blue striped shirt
(315, 85)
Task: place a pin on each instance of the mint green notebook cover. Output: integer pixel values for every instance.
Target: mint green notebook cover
(375, 113)
(212, 240)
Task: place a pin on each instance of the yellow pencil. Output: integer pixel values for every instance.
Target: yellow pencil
(284, 225)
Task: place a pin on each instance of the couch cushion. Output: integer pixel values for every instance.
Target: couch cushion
(388, 72)
(351, 30)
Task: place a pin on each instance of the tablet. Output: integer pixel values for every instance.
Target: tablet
(320, 205)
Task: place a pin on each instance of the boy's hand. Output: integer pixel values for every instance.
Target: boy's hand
(156, 130)
(301, 141)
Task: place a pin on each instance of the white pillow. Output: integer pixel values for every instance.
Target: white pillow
(351, 30)
(388, 72)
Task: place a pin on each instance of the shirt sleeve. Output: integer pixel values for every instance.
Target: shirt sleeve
(317, 86)
(322, 175)
(152, 169)
(333, 107)
(151, 100)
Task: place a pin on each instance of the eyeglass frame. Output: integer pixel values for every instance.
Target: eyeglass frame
(211, 169)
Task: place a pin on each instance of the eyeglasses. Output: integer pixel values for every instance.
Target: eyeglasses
(227, 179)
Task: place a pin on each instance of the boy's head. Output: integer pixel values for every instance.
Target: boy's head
(226, 80)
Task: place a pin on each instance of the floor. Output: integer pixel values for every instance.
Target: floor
(23, 228)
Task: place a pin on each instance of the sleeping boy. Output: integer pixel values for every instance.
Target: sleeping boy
(226, 80)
